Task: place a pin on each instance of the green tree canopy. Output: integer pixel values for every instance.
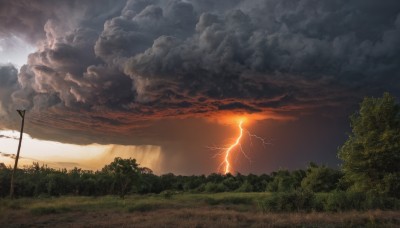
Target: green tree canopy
(371, 155)
(320, 178)
(125, 173)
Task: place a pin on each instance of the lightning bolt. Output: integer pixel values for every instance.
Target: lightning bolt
(226, 152)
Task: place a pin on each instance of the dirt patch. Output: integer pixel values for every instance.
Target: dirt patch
(199, 217)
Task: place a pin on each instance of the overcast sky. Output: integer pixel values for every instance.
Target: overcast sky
(167, 73)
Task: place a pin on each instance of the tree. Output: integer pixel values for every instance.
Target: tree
(371, 154)
(125, 173)
(283, 181)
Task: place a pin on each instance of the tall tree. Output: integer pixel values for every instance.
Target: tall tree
(125, 173)
(371, 154)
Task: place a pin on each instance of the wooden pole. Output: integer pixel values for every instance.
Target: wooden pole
(22, 114)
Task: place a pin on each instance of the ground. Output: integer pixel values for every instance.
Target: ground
(177, 210)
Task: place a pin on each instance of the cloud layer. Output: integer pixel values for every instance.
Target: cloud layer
(108, 70)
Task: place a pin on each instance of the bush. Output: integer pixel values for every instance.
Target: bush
(283, 182)
(320, 178)
(342, 201)
(299, 200)
(167, 194)
(302, 200)
(214, 187)
(374, 200)
(320, 201)
(245, 187)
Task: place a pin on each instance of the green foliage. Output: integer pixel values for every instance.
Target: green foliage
(284, 181)
(5, 179)
(258, 183)
(320, 178)
(299, 200)
(58, 184)
(376, 200)
(167, 194)
(193, 183)
(150, 183)
(371, 155)
(336, 201)
(342, 201)
(246, 187)
(214, 187)
(230, 183)
(350, 200)
(320, 200)
(125, 174)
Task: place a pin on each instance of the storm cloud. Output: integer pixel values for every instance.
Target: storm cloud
(106, 70)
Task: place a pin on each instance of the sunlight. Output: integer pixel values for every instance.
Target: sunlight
(14, 50)
(62, 155)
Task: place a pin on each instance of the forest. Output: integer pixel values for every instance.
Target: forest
(369, 177)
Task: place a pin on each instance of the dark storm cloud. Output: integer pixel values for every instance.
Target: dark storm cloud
(113, 67)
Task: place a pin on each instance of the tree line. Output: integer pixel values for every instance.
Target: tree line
(125, 176)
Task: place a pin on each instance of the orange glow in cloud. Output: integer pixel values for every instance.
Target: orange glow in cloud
(229, 118)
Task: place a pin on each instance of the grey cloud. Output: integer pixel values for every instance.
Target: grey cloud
(8, 85)
(28, 18)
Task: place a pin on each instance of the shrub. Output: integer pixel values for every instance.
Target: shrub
(214, 187)
(245, 187)
(320, 178)
(320, 201)
(374, 200)
(167, 194)
(299, 200)
(341, 201)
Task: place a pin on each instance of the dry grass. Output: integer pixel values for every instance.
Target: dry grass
(181, 211)
(203, 217)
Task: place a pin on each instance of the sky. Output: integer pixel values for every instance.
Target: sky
(166, 81)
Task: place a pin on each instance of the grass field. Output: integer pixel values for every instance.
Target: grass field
(175, 210)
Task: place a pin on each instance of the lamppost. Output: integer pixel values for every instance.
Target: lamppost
(22, 114)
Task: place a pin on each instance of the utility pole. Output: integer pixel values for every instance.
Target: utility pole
(22, 114)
